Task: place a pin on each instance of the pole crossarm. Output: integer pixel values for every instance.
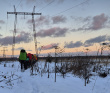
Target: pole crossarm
(24, 13)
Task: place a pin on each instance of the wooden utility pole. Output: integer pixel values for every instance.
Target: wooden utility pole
(34, 31)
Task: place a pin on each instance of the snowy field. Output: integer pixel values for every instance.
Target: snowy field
(12, 80)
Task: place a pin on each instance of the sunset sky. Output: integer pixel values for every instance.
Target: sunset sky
(71, 24)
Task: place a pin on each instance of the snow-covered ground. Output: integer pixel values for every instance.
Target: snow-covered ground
(12, 80)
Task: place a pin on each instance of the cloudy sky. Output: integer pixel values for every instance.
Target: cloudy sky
(71, 24)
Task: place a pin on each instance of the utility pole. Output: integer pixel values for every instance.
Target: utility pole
(14, 32)
(56, 48)
(4, 55)
(34, 31)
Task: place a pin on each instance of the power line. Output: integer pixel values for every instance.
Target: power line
(38, 2)
(46, 5)
(19, 4)
(72, 7)
(33, 3)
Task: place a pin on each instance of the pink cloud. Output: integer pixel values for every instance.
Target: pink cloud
(58, 19)
(53, 32)
(99, 21)
(42, 20)
(22, 37)
(50, 46)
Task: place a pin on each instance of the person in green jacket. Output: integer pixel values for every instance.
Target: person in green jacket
(22, 59)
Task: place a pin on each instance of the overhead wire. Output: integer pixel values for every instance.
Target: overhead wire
(34, 4)
(72, 7)
(19, 4)
(38, 2)
(46, 5)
